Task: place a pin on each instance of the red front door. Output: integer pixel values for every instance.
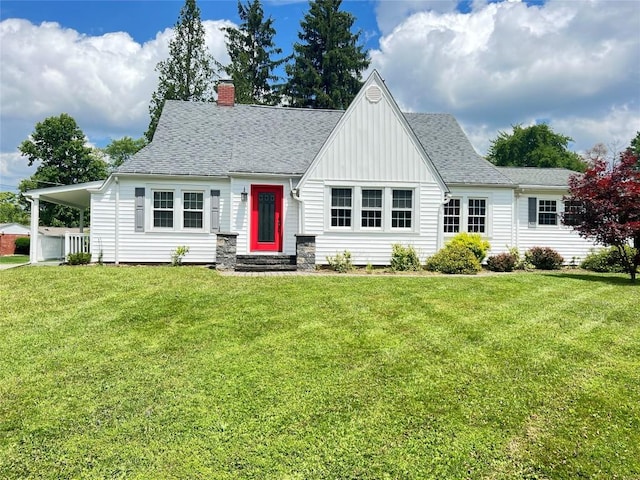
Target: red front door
(266, 218)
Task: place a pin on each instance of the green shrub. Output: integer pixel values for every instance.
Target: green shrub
(178, 254)
(544, 258)
(454, 259)
(606, 261)
(341, 262)
(502, 262)
(474, 242)
(78, 258)
(404, 259)
(22, 245)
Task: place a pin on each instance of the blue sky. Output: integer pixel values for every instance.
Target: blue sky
(572, 64)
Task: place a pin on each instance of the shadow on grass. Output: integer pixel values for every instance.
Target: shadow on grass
(611, 278)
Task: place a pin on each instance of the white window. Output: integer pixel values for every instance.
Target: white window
(341, 207)
(402, 208)
(547, 212)
(477, 215)
(452, 216)
(371, 214)
(163, 209)
(192, 209)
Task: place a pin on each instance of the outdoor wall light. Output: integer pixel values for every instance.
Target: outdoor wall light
(244, 195)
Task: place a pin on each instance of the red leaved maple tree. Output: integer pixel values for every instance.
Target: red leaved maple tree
(606, 200)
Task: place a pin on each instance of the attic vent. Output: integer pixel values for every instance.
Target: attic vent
(373, 94)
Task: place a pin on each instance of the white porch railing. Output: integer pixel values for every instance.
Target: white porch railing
(76, 243)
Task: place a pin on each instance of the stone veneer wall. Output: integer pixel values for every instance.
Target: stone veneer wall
(226, 249)
(306, 252)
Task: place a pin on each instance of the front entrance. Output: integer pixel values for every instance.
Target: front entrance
(266, 218)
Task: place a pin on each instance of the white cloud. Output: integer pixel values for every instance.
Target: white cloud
(567, 63)
(105, 82)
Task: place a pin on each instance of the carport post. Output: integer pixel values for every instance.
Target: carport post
(35, 220)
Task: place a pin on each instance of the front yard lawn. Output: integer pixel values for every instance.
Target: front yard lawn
(159, 372)
(14, 259)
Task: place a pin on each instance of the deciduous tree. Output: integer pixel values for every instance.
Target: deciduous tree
(534, 146)
(119, 151)
(251, 47)
(64, 158)
(606, 206)
(189, 72)
(11, 210)
(326, 70)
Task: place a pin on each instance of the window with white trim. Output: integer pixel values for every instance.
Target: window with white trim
(401, 208)
(192, 209)
(547, 212)
(163, 209)
(371, 213)
(477, 215)
(341, 207)
(572, 212)
(452, 216)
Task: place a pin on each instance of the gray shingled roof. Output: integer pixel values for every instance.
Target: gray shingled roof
(531, 176)
(203, 139)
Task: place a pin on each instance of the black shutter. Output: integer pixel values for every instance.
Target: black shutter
(533, 212)
(215, 210)
(139, 218)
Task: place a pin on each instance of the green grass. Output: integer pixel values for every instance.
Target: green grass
(157, 372)
(14, 259)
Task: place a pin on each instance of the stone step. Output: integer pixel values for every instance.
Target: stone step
(266, 259)
(266, 263)
(245, 267)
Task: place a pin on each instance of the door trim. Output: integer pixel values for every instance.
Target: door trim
(276, 245)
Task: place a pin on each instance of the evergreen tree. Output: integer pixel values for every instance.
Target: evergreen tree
(328, 61)
(250, 48)
(189, 72)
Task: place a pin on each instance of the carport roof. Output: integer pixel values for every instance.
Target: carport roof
(75, 196)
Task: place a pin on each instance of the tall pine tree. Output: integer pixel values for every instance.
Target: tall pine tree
(328, 61)
(250, 48)
(189, 72)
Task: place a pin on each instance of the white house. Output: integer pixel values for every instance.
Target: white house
(246, 183)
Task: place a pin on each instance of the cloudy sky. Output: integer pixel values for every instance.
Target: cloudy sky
(572, 64)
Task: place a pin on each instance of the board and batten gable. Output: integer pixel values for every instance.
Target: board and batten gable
(114, 226)
(372, 151)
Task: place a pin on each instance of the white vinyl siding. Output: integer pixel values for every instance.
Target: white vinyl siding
(152, 245)
(561, 238)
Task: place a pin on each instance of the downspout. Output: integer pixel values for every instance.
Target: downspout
(295, 194)
(116, 258)
(517, 218)
(440, 227)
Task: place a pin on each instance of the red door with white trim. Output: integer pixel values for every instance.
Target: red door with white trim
(266, 218)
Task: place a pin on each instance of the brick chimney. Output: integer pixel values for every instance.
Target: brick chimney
(226, 93)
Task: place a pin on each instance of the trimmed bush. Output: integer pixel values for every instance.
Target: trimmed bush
(502, 262)
(341, 263)
(78, 258)
(605, 261)
(22, 245)
(404, 259)
(544, 258)
(474, 242)
(454, 259)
